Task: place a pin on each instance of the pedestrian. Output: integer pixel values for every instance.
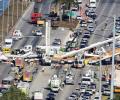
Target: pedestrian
(43, 69)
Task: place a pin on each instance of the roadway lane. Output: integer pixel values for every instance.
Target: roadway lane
(68, 89)
(41, 81)
(27, 28)
(109, 10)
(4, 71)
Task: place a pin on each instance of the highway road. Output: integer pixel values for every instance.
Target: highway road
(24, 25)
(105, 9)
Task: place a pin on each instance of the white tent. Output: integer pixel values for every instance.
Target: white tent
(3, 57)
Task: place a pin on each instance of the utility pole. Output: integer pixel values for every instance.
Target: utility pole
(113, 63)
(100, 76)
(17, 8)
(22, 5)
(47, 36)
(2, 19)
(13, 12)
(8, 18)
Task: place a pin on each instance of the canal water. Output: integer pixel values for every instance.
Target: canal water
(5, 4)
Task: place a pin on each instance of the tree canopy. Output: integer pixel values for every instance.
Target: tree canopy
(14, 94)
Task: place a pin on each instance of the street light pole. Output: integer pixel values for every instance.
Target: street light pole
(12, 12)
(100, 76)
(8, 17)
(113, 61)
(2, 19)
(17, 8)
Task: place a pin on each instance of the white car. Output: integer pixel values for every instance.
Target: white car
(17, 34)
(79, 17)
(90, 21)
(83, 24)
(37, 32)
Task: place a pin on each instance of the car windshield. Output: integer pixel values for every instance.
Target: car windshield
(96, 97)
(38, 31)
(85, 79)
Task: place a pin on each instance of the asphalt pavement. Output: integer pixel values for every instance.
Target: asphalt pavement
(106, 10)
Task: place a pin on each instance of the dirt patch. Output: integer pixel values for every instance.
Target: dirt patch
(67, 24)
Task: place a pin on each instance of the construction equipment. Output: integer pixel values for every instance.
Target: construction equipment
(27, 76)
(55, 83)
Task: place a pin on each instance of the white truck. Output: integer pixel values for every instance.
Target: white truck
(27, 48)
(55, 83)
(6, 48)
(79, 1)
(38, 95)
(92, 3)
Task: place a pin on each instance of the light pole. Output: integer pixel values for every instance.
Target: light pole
(113, 62)
(8, 18)
(17, 8)
(100, 74)
(2, 19)
(13, 12)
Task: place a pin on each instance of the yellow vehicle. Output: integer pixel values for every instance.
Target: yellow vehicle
(27, 76)
(116, 89)
(40, 22)
(6, 50)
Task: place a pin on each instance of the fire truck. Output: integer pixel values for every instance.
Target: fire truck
(36, 14)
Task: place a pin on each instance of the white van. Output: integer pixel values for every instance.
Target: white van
(79, 1)
(92, 4)
(86, 80)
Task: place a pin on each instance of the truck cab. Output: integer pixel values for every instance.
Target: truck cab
(6, 48)
(17, 34)
(27, 48)
(8, 81)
